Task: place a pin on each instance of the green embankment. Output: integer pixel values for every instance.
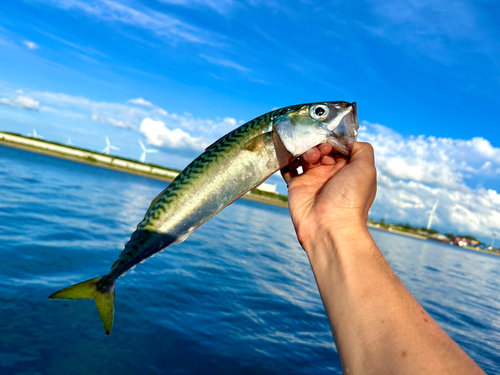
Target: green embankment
(270, 195)
(89, 158)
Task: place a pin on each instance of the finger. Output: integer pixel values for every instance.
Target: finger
(373, 192)
(288, 174)
(290, 171)
(311, 156)
(363, 152)
(371, 199)
(363, 156)
(325, 149)
(328, 160)
(311, 159)
(340, 158)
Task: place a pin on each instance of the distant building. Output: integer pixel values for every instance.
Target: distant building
(440, 237)
(462, 242)
(268, 188)
(395, 227)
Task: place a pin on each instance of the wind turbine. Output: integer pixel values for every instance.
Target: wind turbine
(109, 147)
(432, 214)
(34, 135)
(145, 151)
(69, 142)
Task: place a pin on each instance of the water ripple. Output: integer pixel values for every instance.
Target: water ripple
(238, 296)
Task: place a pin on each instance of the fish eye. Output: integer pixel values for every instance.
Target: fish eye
(319, 112)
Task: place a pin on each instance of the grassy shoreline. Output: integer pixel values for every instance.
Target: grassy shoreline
(92, 161)
(419, 237)
(252, 197)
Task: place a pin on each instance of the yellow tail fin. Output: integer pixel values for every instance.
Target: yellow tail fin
(105, 302)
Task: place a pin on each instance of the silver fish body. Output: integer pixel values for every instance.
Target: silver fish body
(230, 167)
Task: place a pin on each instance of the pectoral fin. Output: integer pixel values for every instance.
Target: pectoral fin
(260, 142)
(271, 142)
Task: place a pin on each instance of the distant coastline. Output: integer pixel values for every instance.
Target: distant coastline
(159, 173)
(390, 229)
(115, 163)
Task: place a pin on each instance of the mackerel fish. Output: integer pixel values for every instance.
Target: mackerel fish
(236, 163)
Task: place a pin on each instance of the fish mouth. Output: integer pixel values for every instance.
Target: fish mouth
(342, 138)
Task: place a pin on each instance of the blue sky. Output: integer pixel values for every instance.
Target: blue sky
(425, 75)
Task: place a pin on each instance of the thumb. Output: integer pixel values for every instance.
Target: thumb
(362, 153)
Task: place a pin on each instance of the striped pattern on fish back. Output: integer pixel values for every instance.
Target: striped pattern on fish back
(141, 239)
(219, 148)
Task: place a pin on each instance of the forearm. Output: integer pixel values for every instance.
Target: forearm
(377, 324)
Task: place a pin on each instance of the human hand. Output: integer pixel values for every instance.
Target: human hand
(329, 205)
(334, 194)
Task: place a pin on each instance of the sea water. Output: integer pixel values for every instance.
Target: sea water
(237, 297)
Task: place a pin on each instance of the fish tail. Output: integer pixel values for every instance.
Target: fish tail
(105, 301)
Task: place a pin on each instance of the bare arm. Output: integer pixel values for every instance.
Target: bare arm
(378, 326)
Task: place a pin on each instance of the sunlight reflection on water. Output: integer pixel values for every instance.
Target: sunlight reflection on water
(237, 297)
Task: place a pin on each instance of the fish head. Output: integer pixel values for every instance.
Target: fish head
(304, 126)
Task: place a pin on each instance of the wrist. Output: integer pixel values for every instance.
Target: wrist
(333, 235)
(343, 246)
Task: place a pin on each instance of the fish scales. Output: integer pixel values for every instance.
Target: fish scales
(230, 167)
(179, 204)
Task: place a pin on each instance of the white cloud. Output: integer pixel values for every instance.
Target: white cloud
(437, 161)
(117, 114)
(224, 7)
(6, 101)
(226, 63)
(210, 129)
(140, 101)
(158, 134)
(61, 99)
(219, 6)
(162, 112)
(62, 112)
(112, 121)
(31, 45)
(83, 51)
(26, 102)
(161, 24)
(22, 101)
(413, 172)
